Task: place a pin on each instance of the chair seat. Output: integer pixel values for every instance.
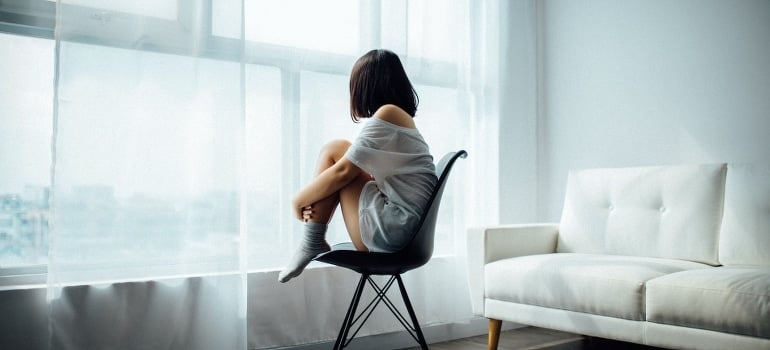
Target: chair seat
(370, 263)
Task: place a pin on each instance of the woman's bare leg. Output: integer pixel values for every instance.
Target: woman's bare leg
(347, 197)
(321, 212)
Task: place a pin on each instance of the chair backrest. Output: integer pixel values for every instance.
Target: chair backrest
(420, 248)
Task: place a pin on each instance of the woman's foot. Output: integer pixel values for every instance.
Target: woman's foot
(313, 243)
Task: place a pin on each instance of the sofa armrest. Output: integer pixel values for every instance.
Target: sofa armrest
(488, 244)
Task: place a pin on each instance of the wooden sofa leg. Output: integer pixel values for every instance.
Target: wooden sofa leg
(494, 333)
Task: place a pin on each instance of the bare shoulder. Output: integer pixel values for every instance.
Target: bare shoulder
(395, 115)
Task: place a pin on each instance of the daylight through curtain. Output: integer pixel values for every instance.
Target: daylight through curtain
(183, 128)
(146, 234)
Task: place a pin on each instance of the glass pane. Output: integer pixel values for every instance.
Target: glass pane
(147, 162)
(445, 130)
(226, 18)
(393, 28)
(26, 114)
(434, 29)
(439, 118)
(330, 25)
(267, 205)
(166, 9)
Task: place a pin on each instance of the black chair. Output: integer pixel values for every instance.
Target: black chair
(413, 255)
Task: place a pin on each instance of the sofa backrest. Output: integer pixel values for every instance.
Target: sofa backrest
(665, 211)
(745, 236)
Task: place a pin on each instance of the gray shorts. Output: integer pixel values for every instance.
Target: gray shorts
(385, 227)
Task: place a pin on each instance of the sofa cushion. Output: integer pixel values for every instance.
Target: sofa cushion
(604, 285)
(745, 236)
(724, 299)
(666, 212)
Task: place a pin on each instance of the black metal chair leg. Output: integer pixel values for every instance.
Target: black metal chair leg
(408, 304)
(348, 322)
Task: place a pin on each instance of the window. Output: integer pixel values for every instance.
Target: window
(328, 26)
(165, 9)
(26, 97)
(147, 168)
(429, 38)
(133, 122)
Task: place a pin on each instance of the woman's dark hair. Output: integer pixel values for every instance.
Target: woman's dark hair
(378, 78)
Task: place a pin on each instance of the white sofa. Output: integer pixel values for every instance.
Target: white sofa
(670, 256)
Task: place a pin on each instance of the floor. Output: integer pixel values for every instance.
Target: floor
(531, 338)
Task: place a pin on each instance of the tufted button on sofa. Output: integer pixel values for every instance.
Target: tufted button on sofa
(671, 256)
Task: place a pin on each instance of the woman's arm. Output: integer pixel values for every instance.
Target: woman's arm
(327, 183)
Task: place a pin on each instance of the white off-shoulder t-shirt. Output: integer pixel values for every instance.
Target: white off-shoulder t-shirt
(390, 207)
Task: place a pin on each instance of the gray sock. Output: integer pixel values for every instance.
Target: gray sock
(313, 243)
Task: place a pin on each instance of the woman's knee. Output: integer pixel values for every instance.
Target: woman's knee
(335, 149)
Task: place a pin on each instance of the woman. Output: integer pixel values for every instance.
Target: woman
(382, 181)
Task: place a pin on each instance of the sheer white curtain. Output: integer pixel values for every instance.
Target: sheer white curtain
(182, 129)
(146, 239)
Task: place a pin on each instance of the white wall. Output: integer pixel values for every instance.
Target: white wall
(518, 112)
(640, 82)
